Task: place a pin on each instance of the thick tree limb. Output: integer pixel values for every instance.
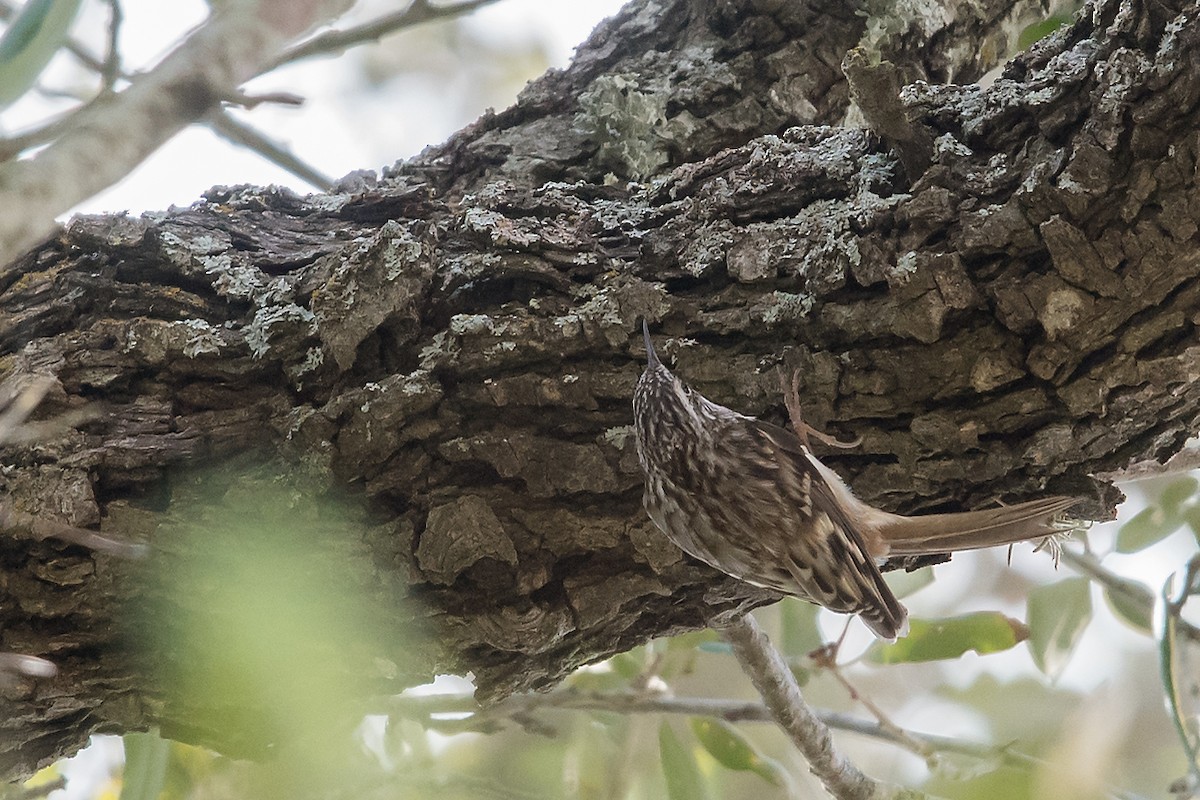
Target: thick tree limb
(454, 343)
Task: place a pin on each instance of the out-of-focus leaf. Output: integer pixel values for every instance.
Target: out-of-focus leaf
(682, 650)
(1148, 526)
(715, 647)
(29, 43)
(734, 751)
(1040, 30)
(628, 665)
(692, 640)
(44, 776)
(589, 757)
(146, 756)
(258, 592)
(979, 779)
(801, 674)
(588, 680)
(1178, 492)
(936, 639)
(799, 633)
(904, 584)
(1191, 515)
(684, 780)
(1058, 615)
(1132, 613)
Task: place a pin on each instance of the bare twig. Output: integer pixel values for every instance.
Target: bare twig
(110, 70)
(32, 666)
(459, 713)
(335, 42)
(109, 138)
(13, 521)
(225, 125)
(1136, 593)
(778, 688)
(896, 733)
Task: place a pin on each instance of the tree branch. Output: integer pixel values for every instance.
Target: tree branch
(779, 690)
(335, 42)
(108, 138)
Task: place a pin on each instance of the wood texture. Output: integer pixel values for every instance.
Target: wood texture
(452, 347)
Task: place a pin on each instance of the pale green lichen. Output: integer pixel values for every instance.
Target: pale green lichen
(906, 267)
(628, 122)
(617, 437)
(258, 332)
(199, 338)
(787, 307)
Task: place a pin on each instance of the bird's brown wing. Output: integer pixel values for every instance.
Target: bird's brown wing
(829, 559)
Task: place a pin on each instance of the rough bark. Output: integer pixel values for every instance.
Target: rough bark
(454, 345)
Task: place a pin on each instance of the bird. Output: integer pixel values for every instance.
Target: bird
(752, 500)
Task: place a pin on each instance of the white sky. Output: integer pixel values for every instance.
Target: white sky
(342, 127)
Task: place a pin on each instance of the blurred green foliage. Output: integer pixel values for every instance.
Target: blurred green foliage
(934, 640)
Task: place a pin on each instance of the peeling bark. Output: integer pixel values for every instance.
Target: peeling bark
(453, 346)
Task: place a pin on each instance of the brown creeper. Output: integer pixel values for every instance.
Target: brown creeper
(750, 499)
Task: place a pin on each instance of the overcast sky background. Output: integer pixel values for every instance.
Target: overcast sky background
(363, 110)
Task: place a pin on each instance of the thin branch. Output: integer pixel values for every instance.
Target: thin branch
(778, 688)
(1136, 593)
(459, 713)
(453, 707)
(239, 133)
(110, 70)
(17, 522)
(335, 42)
(111, 137)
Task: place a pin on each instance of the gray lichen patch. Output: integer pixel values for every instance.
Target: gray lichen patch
(783, 308)
(154, 341)
(627, 123)
(385, 278)
(279, 323)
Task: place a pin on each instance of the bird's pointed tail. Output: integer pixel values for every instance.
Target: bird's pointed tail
(971, 530)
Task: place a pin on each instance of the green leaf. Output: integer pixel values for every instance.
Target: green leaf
(799, 633)
(681, 652)
(29, 43)
(1132, 613)
(1058, 614)
(692, 640)
(1040, 30)
(936, 639)
(734, 751)
(146, 756)
(904, 584)
(1191, 515)
(1150, 525)
(684, 780)
(1178, 492)
(628, 665)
